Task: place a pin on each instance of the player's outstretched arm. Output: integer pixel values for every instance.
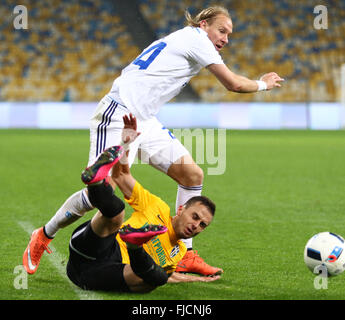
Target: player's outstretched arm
(121, 173)
(234, 82)
(180, 277)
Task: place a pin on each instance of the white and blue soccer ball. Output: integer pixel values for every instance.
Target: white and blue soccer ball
(325, 249)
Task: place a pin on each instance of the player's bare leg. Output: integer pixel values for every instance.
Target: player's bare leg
(189, 177)
(186, 172)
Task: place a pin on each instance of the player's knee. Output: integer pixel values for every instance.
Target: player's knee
(102, 197)
(193, 177)
(145, 268)
(117, 220)
(198, 176)
(186, 172)
(155, 277)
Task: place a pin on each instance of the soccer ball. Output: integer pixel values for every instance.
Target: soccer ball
(325, 249)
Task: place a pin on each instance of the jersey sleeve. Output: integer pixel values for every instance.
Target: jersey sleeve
(201, 49)
(140, 198)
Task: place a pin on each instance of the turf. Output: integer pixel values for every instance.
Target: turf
(279, 188)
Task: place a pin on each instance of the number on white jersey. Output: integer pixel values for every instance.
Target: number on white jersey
(145, 63)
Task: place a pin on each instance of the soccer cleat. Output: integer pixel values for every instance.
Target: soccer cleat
(139, 236)
(193, 263)
(99, 170)
(35, 249)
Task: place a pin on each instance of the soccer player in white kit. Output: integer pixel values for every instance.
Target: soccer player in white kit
(156, 76)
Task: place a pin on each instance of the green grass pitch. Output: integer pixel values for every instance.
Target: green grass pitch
(279, 188)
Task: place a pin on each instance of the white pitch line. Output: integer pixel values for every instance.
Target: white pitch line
(56, 259)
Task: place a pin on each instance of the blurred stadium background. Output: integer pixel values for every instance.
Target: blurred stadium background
(72, 51)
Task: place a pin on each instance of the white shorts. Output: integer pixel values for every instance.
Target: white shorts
(155, 145)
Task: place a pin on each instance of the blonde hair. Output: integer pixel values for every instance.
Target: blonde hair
(207, 14)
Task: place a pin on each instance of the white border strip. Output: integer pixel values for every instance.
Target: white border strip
(240, 115)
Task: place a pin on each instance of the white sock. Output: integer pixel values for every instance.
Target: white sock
(73, 208)
(183, 195)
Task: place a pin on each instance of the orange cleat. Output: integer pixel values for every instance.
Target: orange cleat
(35, 249)
(193, 263)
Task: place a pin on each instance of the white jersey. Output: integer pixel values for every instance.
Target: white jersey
(160, 72)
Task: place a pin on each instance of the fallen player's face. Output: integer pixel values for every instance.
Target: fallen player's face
(192, 220)
(218, 31)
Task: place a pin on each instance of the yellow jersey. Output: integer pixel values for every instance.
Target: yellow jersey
(165, 249)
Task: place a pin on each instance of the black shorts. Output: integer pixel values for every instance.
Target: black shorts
(95, 263)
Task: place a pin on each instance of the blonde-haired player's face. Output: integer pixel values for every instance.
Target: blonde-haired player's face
(218, 30)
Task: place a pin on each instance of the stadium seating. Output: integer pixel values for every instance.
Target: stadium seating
(73, 50)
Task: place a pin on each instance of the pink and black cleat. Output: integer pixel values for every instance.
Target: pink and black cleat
(139, 236)
(99, 170)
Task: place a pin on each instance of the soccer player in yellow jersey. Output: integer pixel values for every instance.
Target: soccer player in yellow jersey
(142, 253)
(165, 249)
